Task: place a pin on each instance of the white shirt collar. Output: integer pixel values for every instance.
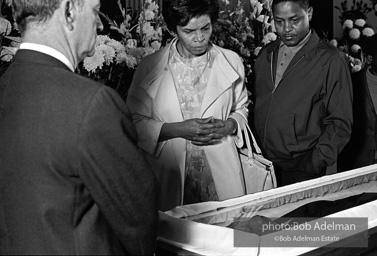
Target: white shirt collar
(49, 51)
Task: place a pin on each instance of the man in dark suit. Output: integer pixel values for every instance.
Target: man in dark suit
(72, 180)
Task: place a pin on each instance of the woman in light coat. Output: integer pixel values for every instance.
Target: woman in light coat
(189, 104)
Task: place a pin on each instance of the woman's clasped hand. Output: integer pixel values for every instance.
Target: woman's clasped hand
(206, 131)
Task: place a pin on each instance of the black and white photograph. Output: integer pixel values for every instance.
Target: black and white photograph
(188, 127)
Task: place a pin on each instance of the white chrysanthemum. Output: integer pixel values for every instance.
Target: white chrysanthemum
(149, 15)
(348, 24)
(130, 60)
(108, 53)
(5, 27)
(118, 47)
(360, 22)
(226, 2)
(355, 48)
(94, 62)
(354, 34)
(269, 37)
(334, 43)
(102, 39)
(156, 45)
(368, 32)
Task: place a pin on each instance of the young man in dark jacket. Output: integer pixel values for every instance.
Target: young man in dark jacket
(302, 93)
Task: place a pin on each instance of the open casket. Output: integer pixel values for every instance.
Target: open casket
(204, 228)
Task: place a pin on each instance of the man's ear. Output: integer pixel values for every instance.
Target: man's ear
(310, 13)
(68, 12)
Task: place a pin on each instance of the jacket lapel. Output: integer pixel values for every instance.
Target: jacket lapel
(160, 87)
(164, 93)
(222, 77)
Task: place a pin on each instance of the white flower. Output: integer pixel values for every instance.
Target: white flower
(94, 62)
(334, 43)
(148, 29)
(356, 65)
(257, 50)
(354, 34)
(226, 2)
(130, 60)
(101, 39)
(118, 47)
(375, 7)
(108, 53)
(7, 53)
(156, 45)
(348, 24)
(360, 22)
(368, 32)
(355, 48)
(131, 43)
(152, 6)
(269, 37)
(5, 27)
(149, 15)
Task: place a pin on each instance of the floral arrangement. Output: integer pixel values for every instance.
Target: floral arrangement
(244, 32)
(114, 62)
(355, 32)
(9, 38)
(244, 27)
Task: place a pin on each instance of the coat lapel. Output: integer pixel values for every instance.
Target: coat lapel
(161, 88)
(222, 77)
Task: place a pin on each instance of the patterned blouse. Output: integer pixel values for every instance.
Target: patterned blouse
(191, 76)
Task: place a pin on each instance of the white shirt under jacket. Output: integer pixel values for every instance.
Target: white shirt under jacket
(153, 101)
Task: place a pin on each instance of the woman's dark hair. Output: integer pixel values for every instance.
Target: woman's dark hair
(180, 12)
(303, 3)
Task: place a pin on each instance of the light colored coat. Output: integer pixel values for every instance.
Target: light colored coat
(153, 101)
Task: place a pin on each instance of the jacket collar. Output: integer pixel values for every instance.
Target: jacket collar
(309, 50)
(162, 60)
(222, 77)
(31, 56)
